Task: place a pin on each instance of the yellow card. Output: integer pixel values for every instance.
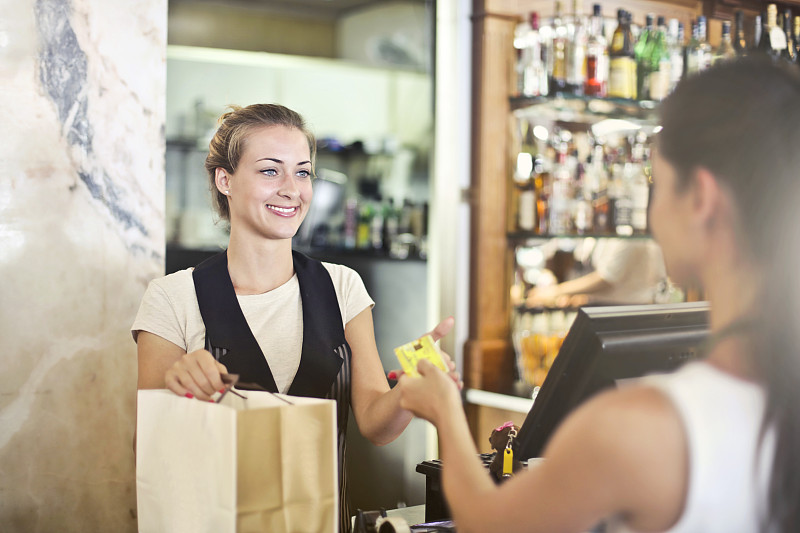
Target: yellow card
(423, 348)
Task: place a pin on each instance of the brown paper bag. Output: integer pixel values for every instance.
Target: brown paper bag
(264, 464)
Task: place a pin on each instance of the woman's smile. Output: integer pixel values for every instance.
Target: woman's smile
(283, 211)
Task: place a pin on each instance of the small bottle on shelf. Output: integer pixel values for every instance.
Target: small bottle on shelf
(699, 53)
(526, 192)
(561, 195)
(576, 51)
(675, 51)
(596, 57)
(531, 71)
(542, 186)
(584, 210)
(642, 51)
(739, 41)
(639, 186)
(558, 53)
(725, 50)
(788, 52)
(660, 60)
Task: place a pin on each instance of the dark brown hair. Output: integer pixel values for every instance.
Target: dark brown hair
(226, 147)
(741, 121)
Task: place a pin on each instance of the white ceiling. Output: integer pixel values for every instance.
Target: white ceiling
(323, 9)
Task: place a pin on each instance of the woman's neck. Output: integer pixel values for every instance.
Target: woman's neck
(734, 298)
(256, 267)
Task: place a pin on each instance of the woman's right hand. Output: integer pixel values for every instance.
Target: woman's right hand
(196, 375)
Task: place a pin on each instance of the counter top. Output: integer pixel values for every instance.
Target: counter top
(498, 401)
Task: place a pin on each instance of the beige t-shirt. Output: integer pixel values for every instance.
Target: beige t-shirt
(633, 267)
(170, 310)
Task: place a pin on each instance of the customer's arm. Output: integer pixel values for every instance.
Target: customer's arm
(622, 454)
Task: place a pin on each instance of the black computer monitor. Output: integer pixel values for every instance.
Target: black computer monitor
(605, 345)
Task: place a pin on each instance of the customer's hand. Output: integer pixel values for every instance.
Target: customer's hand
(196, 375)
(433, 396)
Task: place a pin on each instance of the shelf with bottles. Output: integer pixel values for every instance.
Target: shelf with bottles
(591, 65)
(579, 183)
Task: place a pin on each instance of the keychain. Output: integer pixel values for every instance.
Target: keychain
(508, 455)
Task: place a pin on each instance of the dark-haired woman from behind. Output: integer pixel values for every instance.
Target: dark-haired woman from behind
(715, 446)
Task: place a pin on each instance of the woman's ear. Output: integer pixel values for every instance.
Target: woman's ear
(222, 181)
(707, 195)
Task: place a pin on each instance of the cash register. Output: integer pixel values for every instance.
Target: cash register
(604, 346)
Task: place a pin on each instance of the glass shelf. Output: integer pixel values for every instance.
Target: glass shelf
(523, 237)
(564, 107)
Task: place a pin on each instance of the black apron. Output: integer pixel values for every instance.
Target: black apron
(324, 370)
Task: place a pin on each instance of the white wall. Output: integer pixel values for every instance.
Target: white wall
(337, 98)
(82, 233)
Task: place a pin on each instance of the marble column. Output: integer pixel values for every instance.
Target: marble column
(82, 104)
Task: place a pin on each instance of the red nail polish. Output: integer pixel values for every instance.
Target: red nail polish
(222, 390)
(392, 375)
(189, 395)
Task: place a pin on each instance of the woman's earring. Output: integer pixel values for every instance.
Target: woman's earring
(227, 192)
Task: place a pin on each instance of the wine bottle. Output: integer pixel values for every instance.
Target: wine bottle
(675, 51)
(558, 53)
(660, 62)
(796, 38)
(641, 52)
(739, 41)
(699, 53)
(725, 49)
(788, 53)
(622, 64)
(576, 51)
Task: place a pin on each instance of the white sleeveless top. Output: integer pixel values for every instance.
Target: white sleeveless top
(728, 471)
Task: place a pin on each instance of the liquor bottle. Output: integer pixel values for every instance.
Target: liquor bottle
(525, 192)
(541, 184)
(576, 51)
(788, 53)
(596, 57)
(796, 38)
(771, 42)
(739, 42)
(622, 64)
(599, 179)
(675, 51)
(531, 72)
(698, 53)
(391, 220)
(641, 51)
(558, 53)
(639, 187)
(661, 65)
(561, 195)
(725, 49)
(777, 39)
(621, 195)
(584, 211)
(758, 29)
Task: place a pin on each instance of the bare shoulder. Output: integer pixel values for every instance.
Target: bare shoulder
(629, 443)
